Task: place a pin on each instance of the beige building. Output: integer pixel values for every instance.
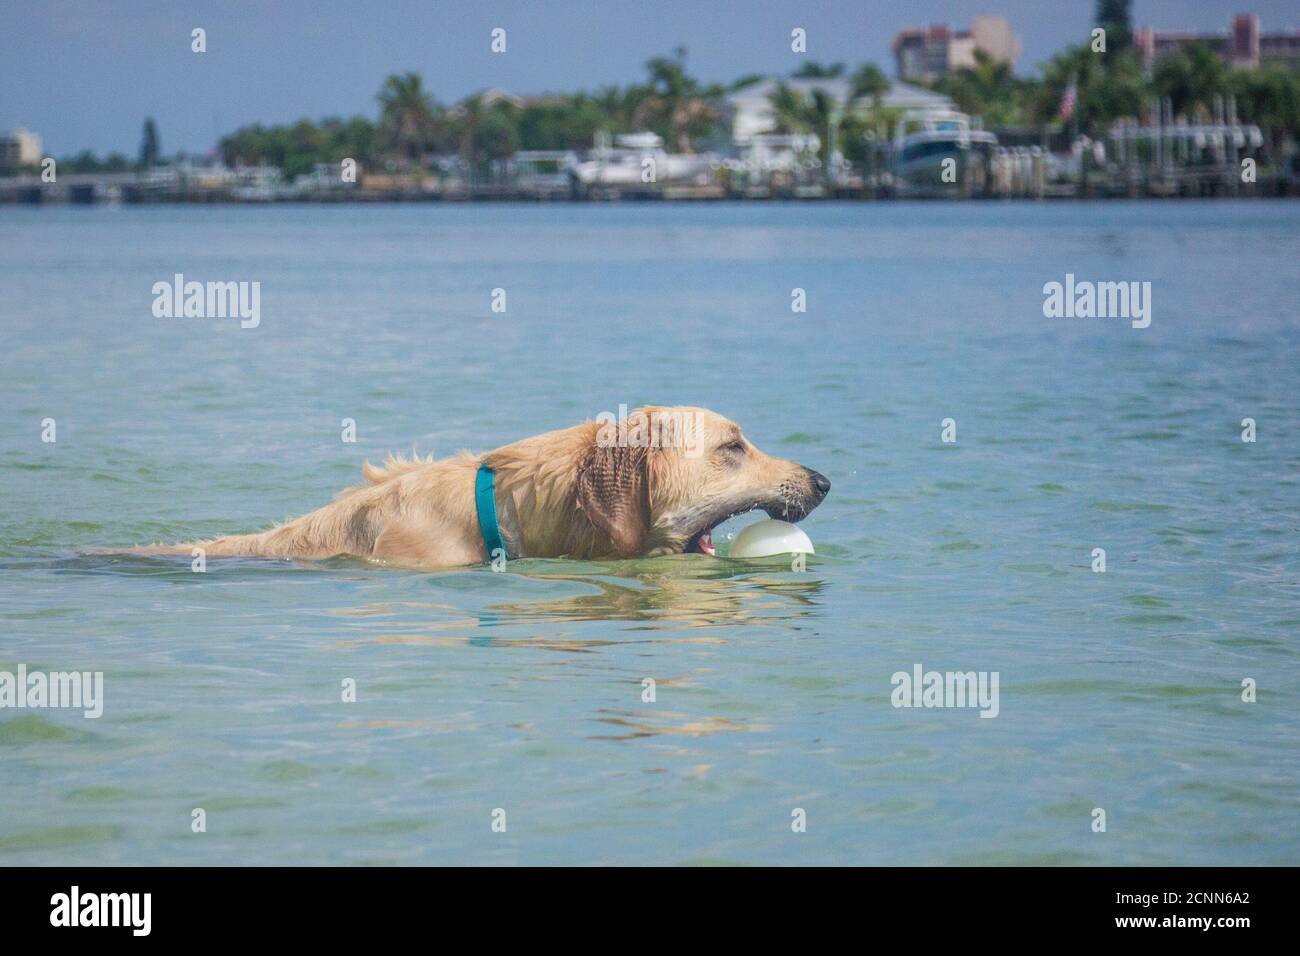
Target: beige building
(927, 53)
(20, 148)
(1243, 46)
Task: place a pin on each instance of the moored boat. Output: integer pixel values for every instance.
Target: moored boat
(938, 152)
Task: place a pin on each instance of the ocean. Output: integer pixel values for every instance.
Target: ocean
(503, 718)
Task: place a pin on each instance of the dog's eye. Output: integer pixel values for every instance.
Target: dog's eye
(736, 447)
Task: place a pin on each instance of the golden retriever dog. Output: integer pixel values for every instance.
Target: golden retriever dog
(656, 482)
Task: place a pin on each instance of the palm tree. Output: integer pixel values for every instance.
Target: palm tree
(149, 149)
(1271, 98)
(1116, 19)
(674, 102)
(987, 89)
(484, 131)
(812, 70)
(408, 116)
(1190, 78)
(797, 113)
(825, 117)
(792, 110)
(875, 122)
(869, 81)
(1106, 89)
(466, 117)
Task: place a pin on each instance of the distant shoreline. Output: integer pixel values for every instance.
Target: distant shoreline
(1280, 190)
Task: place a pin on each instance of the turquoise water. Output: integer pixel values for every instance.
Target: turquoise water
(523, 690)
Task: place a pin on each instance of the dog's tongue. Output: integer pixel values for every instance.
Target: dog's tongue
(706, 544)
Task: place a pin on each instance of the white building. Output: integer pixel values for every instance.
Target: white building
(751, 113)
(20, 148)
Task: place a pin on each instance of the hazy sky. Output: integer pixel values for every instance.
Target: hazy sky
(85, 73)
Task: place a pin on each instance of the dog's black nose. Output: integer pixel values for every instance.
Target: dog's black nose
(819, 482)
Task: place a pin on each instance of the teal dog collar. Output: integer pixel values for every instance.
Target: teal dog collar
(485, 503)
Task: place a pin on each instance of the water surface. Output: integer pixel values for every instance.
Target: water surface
(523, 690)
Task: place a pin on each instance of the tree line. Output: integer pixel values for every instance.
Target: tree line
(412, 125)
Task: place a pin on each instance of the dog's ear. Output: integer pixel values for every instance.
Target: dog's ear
(613, 490)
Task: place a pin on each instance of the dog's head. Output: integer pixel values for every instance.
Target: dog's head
(659, 481)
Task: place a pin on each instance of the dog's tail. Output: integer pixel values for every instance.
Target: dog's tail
(228, 546)
(350, 525)
(323, 533)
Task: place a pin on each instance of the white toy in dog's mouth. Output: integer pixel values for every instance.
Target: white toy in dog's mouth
(768, 537)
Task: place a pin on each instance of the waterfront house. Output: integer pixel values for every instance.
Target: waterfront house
(749, 110)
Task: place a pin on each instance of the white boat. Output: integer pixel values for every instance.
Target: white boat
(636, 159)
(924, 143)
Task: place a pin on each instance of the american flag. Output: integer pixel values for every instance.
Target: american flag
(1067, 100)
